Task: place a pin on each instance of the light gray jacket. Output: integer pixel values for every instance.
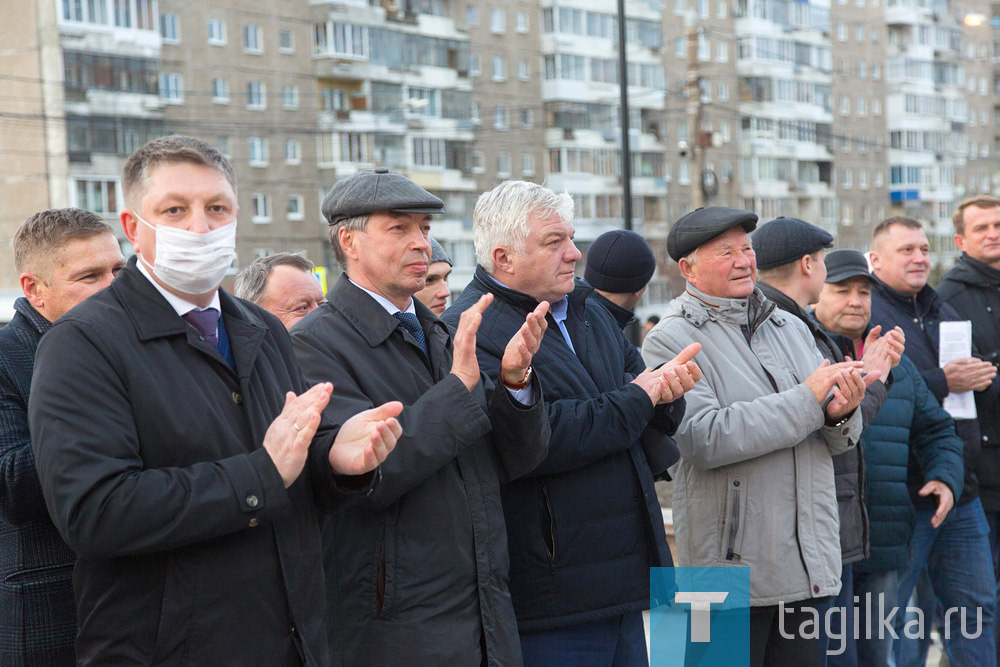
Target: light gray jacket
(754, 487)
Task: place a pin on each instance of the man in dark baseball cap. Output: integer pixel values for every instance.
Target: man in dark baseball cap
(436, 514)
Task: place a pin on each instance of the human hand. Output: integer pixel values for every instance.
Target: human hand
(366, 439)
(968, 374)
(671, 380)
(945, 500)
(464, 363)
(523, 345)
(288, 437)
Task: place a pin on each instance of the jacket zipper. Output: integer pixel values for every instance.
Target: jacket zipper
(551, 546)
(380, 577)
(734, 527)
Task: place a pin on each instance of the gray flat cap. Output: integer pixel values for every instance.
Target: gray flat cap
(843, 264)
(703, 225)
(378, 190)
(438, 254)
(785, 240)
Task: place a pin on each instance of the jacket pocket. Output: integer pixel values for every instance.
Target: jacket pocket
(548, 526)
(40, 575)
(734, 525)
(384, 572)
(177, 607)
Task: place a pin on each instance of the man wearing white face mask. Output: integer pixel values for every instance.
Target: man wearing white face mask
(180, 452)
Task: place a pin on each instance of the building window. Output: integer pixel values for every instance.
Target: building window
(474, 69)
(723, 92)
(862, 108)
(498, 20)
(99, 196)
(220, 90)
(354, 147)
(222, 145)
(720, 9)
(295, 207)
(428, 152)
(478, 163)
(261, 208)
(257, 149)
(256, 95)
(521, 22)
(503, 164)
(846, 179)
(216, 32)
(172, 88)
(527, 164)
(472, 15)
(500, 121)
(252, 42)
(474, 113)
(286, 41)
(523, 70)
(526, 118)
(170, 28)
(499, 69)
(722, 51)
(293, 151)
(841, 32)
(845, 105)
(290, 97)
(334, 99)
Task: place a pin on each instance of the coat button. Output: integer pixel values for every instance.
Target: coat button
(986, 438)
(815, 589)
(252, 501)
(736, 482)
(254, 522)
(237, 398)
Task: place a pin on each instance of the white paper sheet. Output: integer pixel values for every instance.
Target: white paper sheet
(956, 343)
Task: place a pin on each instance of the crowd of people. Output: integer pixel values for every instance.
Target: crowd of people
(370, 476)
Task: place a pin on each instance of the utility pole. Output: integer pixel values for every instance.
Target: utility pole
(694, 110)
(623, 93)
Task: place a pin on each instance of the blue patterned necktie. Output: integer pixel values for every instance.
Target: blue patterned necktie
(412, 324)
(206, 322)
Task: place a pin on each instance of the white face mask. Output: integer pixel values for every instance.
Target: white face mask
(190, 262)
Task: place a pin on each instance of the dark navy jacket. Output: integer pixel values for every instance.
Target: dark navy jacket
(37, 612)
(920, 317)
(585, 526)
(973, 289)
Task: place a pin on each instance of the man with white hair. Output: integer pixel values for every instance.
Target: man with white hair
(584, 527)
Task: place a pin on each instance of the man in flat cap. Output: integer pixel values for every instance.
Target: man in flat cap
(436, 292)
(754, 486)
(585, 526)
(417, 572)
(791, 273)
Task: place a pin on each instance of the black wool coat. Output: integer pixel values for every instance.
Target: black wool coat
(37, 613)
(423, 578)
(149, 450)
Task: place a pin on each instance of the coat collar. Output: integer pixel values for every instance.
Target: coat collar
(522, 301)
(154, 318)
(623, 316)
(920, 304)
(32, 316)
(974, 272)
(371, 320)
(751, 311)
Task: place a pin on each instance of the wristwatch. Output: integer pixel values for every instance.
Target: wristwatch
(516, 386)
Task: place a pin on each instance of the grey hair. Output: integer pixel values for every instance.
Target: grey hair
(251, 283)
(691, 257)
(356, 224)
(501, 216)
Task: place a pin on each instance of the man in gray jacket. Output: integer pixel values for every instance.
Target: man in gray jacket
(754, 487)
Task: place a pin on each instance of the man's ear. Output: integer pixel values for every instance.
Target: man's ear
(30, 285)
(348, 242)
(129, 222)
(960, 242)
(685, 266)
(503, 260)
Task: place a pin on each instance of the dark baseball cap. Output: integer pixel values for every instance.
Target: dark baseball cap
(704, 224)
(377, 190)
(843, 264)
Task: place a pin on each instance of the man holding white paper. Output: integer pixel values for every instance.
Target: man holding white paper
(957, 552)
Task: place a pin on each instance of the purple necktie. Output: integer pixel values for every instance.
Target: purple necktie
(206, 322)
